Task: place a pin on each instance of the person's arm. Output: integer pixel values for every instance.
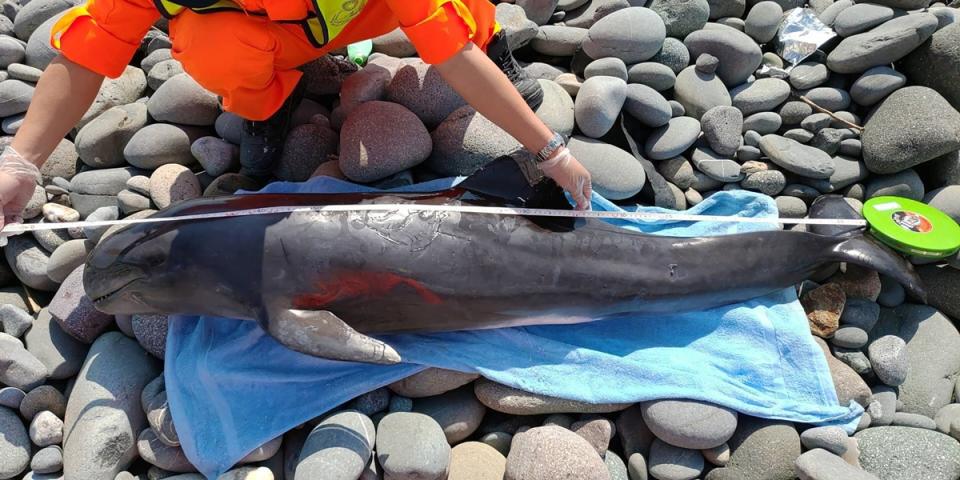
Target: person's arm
(478, 80)
(63, 94)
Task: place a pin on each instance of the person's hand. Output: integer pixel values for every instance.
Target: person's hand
(18, 180)
(570, 175)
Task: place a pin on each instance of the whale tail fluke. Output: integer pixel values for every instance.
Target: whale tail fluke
(860, 249)
(866, 252)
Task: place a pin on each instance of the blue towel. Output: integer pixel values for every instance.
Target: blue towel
(232, 388)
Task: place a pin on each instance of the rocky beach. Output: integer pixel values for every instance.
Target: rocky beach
(665, 102)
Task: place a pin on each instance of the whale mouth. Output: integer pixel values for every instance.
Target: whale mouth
(112, 294)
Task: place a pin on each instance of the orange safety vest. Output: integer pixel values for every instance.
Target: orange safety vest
(329, 18)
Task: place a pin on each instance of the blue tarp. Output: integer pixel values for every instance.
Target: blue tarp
(232, 388)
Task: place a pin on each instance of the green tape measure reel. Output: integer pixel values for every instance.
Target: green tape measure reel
(912, 227)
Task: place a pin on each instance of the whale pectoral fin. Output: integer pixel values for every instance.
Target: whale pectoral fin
(321, 334)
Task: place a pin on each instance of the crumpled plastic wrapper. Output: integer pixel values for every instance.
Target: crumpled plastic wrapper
(801, 33)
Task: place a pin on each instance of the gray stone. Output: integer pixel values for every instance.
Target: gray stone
(557, 108)
(904, 453)
(395, 44)
(606, 67)
(615, 173)
(11, 397)
(421, 89)
(793, 112)
(154, 58)
(647, 105)
(763, 123)
(598, 432)
(816, 122)
(61, 163)
(632, 34)
(498, 440)
(598, 105)
(763, 21)
(556, 40)
(15, 97)
(832, 439)
(11, 51)
(698, 92)
(74, 311)
(945, 199)
(29, 262)
(761, 449)
(47, 460)
(892, 293)
(848, 384)
(39, 50)
(161, 455)
(542, 71)
(553, 452)
(768, 182)
(173, 183)
(100, 143)
(819, 464)
(727, 8)
(339, 448)
(430, 382)
(514, 22)
(860, 18)
(932, 354)
(673, 54)
(130, 202)
(855, 359)
(538, 11)
(888, 355)
(164, 71)
(14, 320)
(216, 156)
(108, 181)
(849, 337)
(677, 171)
(104, 408)
(46, 429)
(151, 332)
(15, 447)
(129, 87)
(458, 412)
(689, 424)
(809, 75)
(883, 45)
(829, 14)
(827, 140)
(68, 257)
(160, 144)
(592, 11)
(668, 462)
(722, 127)
(637, 467)
(935, 130)
(934, 64)
(852, 147)
(715, 166)
(615, 466)
(427, 459)
(20, 369)
(518, 402)
(883, 405)
(739, 55)
(914, 420)
(33, 14)
(182, 100)
(796, 157)
(59, 352)
(657, 76)
(681, 17)
(672, 139)
(860, 313)
(229, 127)
(830, 98)
(466, 141)
(380, 139)
(903, 184)
(946, 416)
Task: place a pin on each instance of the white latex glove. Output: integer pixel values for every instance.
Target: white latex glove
(18, 180)
(570, 175)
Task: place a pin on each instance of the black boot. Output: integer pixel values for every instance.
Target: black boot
(499, 51)
(262, 141)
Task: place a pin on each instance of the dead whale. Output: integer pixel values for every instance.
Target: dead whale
(319, 282)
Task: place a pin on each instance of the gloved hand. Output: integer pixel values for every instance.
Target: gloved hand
(570, 175)
(18, 180)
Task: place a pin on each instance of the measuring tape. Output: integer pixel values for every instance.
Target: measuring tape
(507, 211)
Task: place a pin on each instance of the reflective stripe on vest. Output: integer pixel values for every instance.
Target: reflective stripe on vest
(329, 20)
